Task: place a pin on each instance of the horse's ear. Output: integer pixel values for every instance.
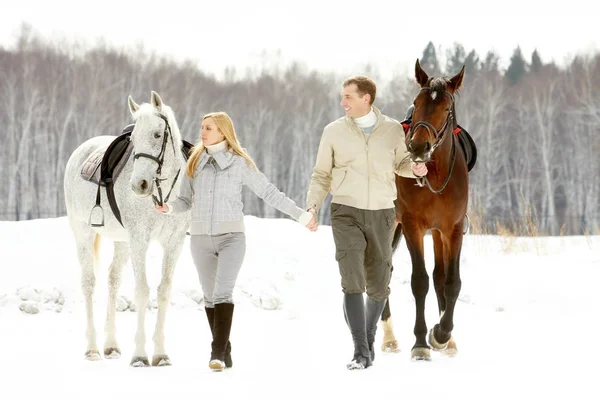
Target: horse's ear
(420, 75)
(456, 81)
(156, 101)
(133, 106)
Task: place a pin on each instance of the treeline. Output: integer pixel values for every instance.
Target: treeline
(536, 125)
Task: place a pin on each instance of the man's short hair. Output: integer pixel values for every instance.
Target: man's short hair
(363, 84)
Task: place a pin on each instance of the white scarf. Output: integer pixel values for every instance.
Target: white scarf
(366, 121)
(216, 148)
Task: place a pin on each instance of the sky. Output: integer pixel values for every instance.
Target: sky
(332, 35)
(524, 322)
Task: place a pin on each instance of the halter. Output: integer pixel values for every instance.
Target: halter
(438, 137)
(160, 160)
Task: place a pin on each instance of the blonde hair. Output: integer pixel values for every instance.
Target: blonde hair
(225, 126)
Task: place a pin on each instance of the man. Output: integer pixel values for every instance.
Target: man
(357, 158)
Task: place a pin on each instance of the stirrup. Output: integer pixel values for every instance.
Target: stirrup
(94, 224)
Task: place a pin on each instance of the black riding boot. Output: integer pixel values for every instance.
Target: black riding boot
(374, 310)
(222, 328)
(354, 310)
(210, 315)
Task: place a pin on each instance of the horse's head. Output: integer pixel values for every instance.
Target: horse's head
(433, 115)
(150, 138)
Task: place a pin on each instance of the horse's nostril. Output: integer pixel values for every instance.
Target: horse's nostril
(144, 185)
(427, 146)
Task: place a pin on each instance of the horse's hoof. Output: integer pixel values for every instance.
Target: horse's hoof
(434, 343)
(112, 353)
(161, 361)
(390, 347)
(448, 348)
(92, 355)
(216, 365)
(420, 354)
(139, 362)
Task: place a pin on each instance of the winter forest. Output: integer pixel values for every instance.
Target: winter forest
(536, 125)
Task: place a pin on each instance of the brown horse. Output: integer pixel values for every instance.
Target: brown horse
(438, 202)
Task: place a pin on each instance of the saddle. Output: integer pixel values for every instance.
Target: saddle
(105, 164)
(464, 139)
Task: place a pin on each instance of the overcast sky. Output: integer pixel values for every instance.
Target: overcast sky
(326, 34)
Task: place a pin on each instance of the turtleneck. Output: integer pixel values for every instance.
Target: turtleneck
(366, 121)
(216, 148)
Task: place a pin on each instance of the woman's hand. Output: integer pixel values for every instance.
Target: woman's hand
(313, 224)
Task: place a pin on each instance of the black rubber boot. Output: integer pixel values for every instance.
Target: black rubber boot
(373, 315)
(354, 310)
(210, 315)
(222, 328)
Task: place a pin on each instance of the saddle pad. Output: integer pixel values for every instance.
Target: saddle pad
(468, 146)
(90, 171)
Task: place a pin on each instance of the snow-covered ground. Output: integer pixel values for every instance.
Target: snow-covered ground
(525, 324)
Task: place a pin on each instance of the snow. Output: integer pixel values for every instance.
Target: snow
(526, 313)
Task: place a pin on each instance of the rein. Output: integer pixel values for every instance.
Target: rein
(160, 160)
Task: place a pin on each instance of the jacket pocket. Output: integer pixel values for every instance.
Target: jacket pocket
(338, 177)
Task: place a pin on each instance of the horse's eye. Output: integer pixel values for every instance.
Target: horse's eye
(156, 135)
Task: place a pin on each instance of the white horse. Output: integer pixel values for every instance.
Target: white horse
(141, 223)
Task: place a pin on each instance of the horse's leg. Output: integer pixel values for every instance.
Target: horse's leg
(439, 273)
(138, 248)
(441, 335)
(390, 344)
(120, 257)
(419, 284)
(170, 257)
(88, 242)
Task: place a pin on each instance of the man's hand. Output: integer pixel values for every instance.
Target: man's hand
(163, 209)
(313, 224)
(419, 169)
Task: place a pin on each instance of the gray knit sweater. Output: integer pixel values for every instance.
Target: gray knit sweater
(215, 194)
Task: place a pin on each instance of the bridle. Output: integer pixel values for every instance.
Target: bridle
(160, 160)
(438, 137)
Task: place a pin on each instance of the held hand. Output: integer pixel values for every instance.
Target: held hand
(313, 224)
(163, 209)
(419, 169)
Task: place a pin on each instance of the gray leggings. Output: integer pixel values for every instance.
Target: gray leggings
(218, 259)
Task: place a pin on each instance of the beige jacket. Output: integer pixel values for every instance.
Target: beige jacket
(358, 169)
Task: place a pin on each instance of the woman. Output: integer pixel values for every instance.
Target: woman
(212, 188)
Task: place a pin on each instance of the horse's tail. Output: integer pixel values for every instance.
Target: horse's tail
(97, 243)
(397, 237)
